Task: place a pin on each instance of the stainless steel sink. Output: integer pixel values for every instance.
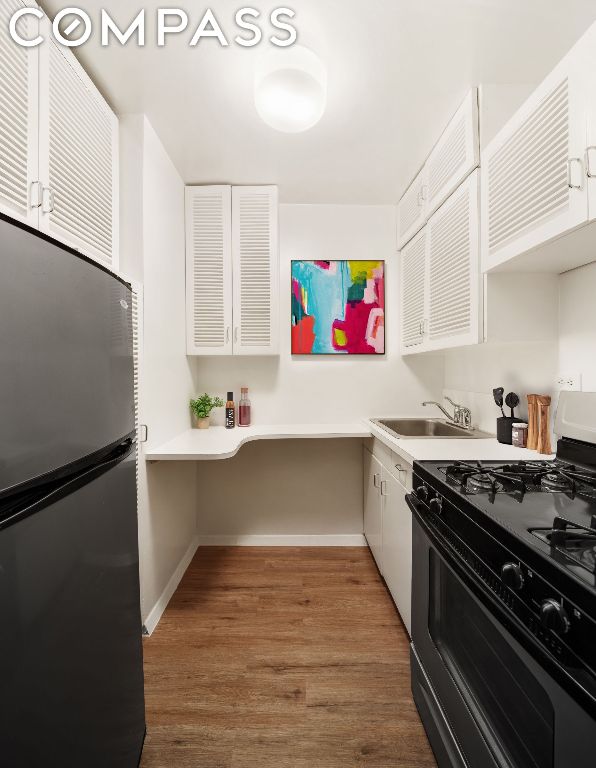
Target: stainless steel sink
(416, 428)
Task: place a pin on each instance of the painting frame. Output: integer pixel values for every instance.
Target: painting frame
(356, 300)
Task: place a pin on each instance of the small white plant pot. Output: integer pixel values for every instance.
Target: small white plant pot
(203, 423)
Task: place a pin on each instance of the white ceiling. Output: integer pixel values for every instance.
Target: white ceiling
(397, 70)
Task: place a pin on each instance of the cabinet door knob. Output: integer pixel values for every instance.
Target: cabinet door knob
(570, 163)
(589, 173)
(36, 194)
(51, 200)
(384, 488)
(376, 477)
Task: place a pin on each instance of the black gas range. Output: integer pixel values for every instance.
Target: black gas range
(504, 605)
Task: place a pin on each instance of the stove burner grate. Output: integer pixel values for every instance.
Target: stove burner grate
(518, 478)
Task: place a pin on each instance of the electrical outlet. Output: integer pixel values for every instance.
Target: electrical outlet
(572, 382)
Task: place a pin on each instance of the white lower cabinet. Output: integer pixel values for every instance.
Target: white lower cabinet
(388, 523)
(397, 545)
(373, 521)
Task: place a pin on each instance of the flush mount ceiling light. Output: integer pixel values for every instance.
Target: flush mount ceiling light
(291, 89)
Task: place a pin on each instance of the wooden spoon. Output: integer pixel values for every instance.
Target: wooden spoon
(533, 422)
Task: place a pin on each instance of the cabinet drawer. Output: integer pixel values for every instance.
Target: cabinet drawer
(392, 462)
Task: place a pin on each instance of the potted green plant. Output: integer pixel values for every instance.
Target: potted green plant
(202, 407)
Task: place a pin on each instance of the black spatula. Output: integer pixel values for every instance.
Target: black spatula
(498, 395)
(512, 401)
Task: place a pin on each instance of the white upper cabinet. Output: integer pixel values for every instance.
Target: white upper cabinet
(19, 118)
(255, 264)
(209, 270)
(440, 277)
(411, 210)
(454, 288)
(78, 158)
(455, 155)
(413, 291)
(534, 174)
(232, 270)
(58, 143)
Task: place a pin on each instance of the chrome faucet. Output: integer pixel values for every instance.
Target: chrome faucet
(462, 417)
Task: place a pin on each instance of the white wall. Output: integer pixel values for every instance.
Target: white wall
(153, 251)
(577, 325)
(336, 387)
(297, 488)
(293, 488)
(472, 373)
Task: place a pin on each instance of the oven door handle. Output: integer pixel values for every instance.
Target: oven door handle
(508, 620)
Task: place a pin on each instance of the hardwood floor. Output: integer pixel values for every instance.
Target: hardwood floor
(281, 658)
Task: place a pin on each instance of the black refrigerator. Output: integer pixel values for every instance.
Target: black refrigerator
(71, 668)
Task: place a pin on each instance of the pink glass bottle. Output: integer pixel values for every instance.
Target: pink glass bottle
(244, 409)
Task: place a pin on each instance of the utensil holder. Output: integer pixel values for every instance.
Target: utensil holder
(505, 429)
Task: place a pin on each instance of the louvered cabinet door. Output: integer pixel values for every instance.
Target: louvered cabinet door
(255, 259)
(413, 260)
(209, 270)
(455, 155)
(19, 118)
(78, 159)
(533, 175)
(411, 210)
(454, 317)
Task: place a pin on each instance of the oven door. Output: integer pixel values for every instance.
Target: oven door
(485, 702)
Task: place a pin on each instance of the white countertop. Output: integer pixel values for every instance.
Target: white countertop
(221, 443)
(452, 449)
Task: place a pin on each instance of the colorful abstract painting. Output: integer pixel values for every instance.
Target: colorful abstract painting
(338, 307)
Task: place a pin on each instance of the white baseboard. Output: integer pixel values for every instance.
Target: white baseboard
(156, 612)
(332, 540)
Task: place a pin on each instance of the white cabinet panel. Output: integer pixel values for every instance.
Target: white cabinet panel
(397, 546)
(440, 277)
(455, 155)
(78, 158)
(232, 270)
(411, 210)
(413, 264)
(19, 118)
(533, 175)
(454, 287)
(255, 265)
(209, 270)
(373, 521)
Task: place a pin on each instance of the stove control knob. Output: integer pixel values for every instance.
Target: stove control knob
(436, 505)
(422, 492)
(554, 616)
(512, 576)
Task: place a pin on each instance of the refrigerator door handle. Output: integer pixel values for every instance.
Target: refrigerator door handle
(29, 502)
